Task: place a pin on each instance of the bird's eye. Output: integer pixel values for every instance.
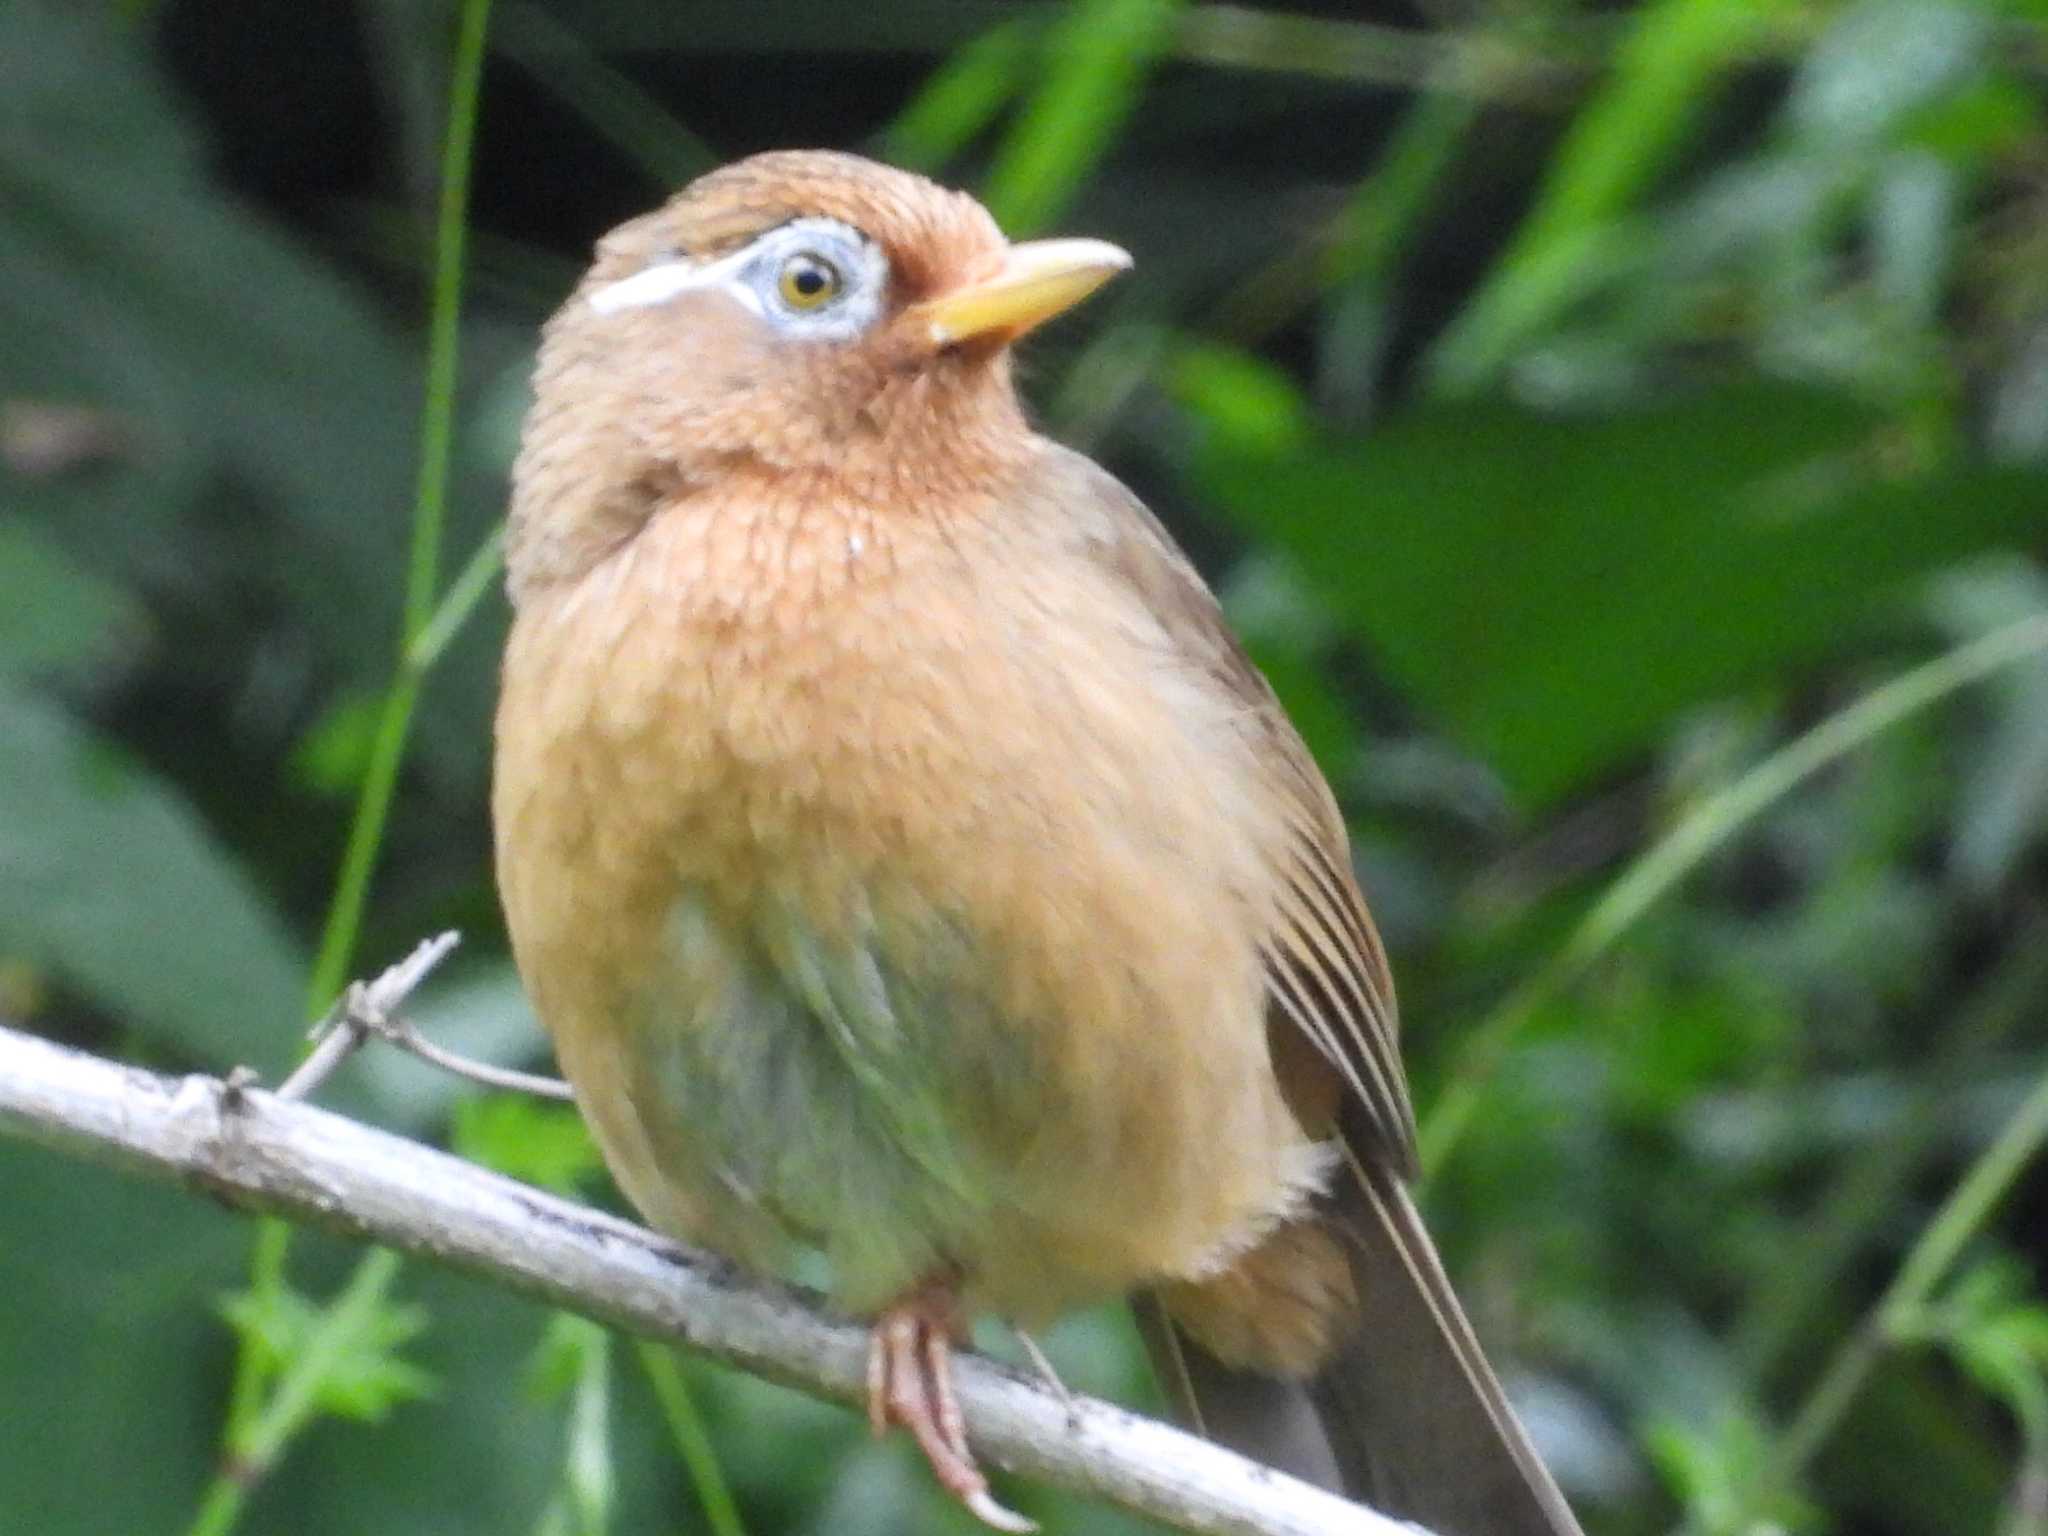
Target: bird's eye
(808, 282)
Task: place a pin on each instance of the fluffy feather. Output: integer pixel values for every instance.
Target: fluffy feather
(909, 864)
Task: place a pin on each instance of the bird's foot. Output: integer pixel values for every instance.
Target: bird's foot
(910, 1383)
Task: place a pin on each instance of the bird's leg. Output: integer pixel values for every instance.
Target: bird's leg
(910, 1383)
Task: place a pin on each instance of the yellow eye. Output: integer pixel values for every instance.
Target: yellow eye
(808, 282)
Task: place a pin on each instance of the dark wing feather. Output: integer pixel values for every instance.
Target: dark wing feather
(1326, 970)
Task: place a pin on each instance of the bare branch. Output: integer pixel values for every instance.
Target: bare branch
(258, 1152)
(371, 1008)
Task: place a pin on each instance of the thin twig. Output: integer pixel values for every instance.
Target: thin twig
(371, 1009)
(341, 1032)
(401, 1033)
(259, 1152)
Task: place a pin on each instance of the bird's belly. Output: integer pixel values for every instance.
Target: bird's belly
(820, 1092)
(870, 1100)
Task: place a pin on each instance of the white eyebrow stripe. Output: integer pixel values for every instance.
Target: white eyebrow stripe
(656, 285)
(665, 280)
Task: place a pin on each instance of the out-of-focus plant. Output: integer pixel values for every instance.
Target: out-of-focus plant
(1619, 431)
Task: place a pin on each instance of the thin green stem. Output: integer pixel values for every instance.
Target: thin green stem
(220, 1508)
(1927, 1264)
(1781, 1309)
(1698, 835)
(587, 1480)
(1965, 1211)
(257, 1405)
(380, 779)
(464, 593)
(341, 1325)
(365, 841)
(252, 1369)
(430, 498)
(686, 1425)
(1360, 245)
(292, 1404)
(437, 415)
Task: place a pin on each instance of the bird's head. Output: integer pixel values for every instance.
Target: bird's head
(797, 313)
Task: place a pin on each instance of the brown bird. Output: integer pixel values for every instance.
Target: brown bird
(911, 868)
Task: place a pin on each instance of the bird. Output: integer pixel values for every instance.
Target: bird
(913, 872)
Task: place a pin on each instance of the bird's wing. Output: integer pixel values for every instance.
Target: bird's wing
(1326, 972)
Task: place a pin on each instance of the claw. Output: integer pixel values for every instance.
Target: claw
(983, 1507)
(910, 1383)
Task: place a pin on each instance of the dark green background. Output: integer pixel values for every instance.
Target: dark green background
(1573, 402)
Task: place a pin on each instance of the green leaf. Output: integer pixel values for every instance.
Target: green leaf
(114, 883)
(1986, 117)
(523, 1138)
(1660, 79)
(1713, 1470)
(566, 1347)
(366, 1379)
(1912, 230)
(1555, 591)
(2003, 799)
(574, 1358)
(55, 616)
(477, 1459)
(265, 404)
(1245, 401)
(1992, 1322)
(961, 97)
(112, 1368)
(1096, 59)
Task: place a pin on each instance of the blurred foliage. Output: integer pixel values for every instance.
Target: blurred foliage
(1580, 407)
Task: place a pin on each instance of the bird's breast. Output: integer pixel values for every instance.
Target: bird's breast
(852, 746)
(727, 667)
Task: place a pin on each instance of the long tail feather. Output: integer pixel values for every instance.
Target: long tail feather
(1268, 1418)
(1407, 1416)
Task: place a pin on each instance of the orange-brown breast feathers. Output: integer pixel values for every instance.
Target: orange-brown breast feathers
(935, 759)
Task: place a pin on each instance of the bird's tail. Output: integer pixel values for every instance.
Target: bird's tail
(1406, 1415)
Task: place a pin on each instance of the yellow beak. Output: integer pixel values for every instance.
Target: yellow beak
(1036, 281)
